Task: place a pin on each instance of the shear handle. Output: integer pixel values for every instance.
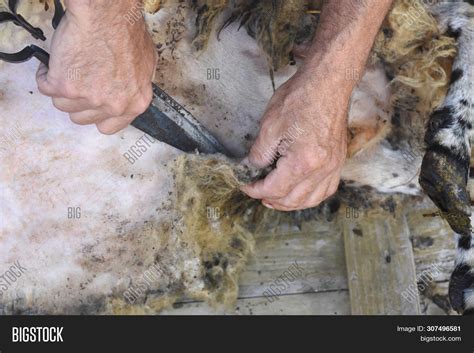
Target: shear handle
(26, 54)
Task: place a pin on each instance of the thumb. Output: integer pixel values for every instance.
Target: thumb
(264, 151)
(44, 86)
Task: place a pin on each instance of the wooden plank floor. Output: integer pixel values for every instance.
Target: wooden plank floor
(324, 303)
(433, 248)
(380, 265)
(322, 288)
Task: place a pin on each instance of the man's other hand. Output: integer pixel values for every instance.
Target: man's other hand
(101, 64)
(304, 132)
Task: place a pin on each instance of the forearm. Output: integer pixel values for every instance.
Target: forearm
(99, 12)
(344, 39)
(99, 4)
(316, 100)
(108, 22)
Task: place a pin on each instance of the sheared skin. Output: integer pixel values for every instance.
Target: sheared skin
(316, 100)
(102, 64)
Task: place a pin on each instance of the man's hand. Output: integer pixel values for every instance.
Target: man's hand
(101, 65)
(309, 151)
(304, 127)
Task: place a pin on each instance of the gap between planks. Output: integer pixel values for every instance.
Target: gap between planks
(380, 264)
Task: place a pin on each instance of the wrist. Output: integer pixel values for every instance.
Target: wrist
(72, 4)
(96, 15)
(343, 41)
(104, 8)
(332, 72)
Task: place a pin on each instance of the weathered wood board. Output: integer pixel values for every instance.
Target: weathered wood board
(324, 303)
(321, 289)
(433, 243)
(433, 247)
(317, 250)
(380, 264)
(412, 237)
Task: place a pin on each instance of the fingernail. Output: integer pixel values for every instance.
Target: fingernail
(267, 205)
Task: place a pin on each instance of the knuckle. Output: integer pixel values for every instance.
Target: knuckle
(280, 191)
(292, 206)
(323, 153)
(297, 203)
(47, 88)
(42, 88)
(267, 127)
(143, 102)
(333, 165)
(119, 108)
(313, 203)
(94, 101)
(106, 130)
(332, 190)
(259, 155)
(75, 119)
(280, 207)
(57, 105)
(278, 194)
(148, 96)
(306, 166)
(68, 90)
(266, 123)
(289, 206)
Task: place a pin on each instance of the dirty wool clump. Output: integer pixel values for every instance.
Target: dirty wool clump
(214, 215)
(222, 222)
(417, 57)
(276, 25)
(217, 222)
(416, 54)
